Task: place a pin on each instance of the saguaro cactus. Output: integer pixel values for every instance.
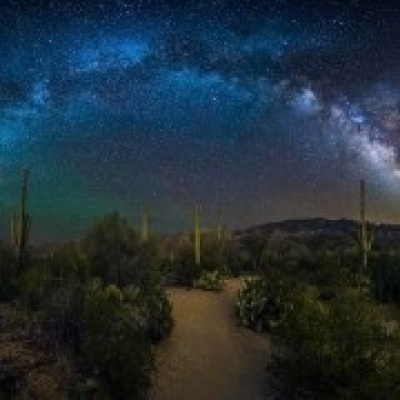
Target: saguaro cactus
(365, 237)
(197, 236)
(219, 226)
(145, 225)
(14, 230)
(20, 227)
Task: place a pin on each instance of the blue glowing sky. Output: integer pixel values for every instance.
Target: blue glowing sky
(264, 111)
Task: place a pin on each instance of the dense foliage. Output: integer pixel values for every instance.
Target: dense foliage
(8, 267)
(385, 276)
(184, 271)
(341, 348)
(209, 280)
(333, 339)
(114, 347)
(101, 300)
(260, 305)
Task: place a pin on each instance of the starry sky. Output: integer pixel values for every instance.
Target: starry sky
(266, 110)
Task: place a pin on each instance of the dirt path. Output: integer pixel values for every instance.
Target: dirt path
(207, 356)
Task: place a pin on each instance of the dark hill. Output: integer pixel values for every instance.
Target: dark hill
(321, 232)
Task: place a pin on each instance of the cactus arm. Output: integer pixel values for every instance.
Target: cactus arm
(366, 237)
(219, 226)
(145, 225)
(370, 240)
(24, 223)
(13, 229)
(197, 236)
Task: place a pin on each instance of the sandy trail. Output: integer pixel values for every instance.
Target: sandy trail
(207, 356)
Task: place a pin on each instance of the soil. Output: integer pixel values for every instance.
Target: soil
(27, 368)
(208, 356)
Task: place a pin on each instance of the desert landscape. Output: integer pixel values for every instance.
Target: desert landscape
(199, 200)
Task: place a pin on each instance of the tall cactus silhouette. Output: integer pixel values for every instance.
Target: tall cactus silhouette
(14, 231)
(365, 238)
(21, 226)
(219, 226)
(197, 236)
(145, 225)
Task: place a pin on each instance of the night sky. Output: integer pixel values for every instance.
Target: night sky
(265, 110)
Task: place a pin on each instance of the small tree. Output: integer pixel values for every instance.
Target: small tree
(110, 247)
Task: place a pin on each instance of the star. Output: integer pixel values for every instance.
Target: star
(117, 104)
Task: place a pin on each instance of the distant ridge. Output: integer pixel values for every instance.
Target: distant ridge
(341, 225)
(320, 230)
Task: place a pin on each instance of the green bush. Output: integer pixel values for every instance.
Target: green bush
(61, 315)
(338, 349)
(184, 270)
(111, 343)
(8, 273)
(63, 267)
(209, 280)
(108, 332)
(213, 255)
(385, 276)
(115, 254)
(146, 264)
(111, 246)
(101, 302)
(153, 309)
(35, 285)
(115, 348)
(236, 258)
(157, 312)
(261, 305)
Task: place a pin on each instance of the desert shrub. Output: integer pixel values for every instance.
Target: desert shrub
(326, 269)
(111, 343)
(337, 349)
(61, 315)
(385, 276)
(68, 262)
(110, 246)
(115, 254)
(63, 267)
(36, 285)
(8, 273)
(152, 309)
(209, 280)
(184, 270)
(213, 255)
(115, 348)
(78, 296)
(156, 311)
(52, 288)
(108, 333)
(251, 247)
(146, 267)
(237, 259)
(286, 248)
(261, 304)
